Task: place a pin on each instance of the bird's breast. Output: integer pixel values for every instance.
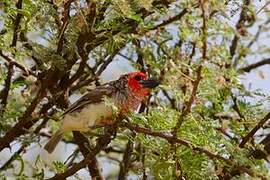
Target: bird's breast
(127, 102)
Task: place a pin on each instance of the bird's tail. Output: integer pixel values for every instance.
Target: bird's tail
(50, 146)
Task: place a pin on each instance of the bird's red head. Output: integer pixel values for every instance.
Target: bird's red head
(140, 84)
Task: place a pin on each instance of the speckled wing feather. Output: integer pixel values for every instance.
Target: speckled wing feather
(93, 96)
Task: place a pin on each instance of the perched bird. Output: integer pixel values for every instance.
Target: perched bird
(91, 110)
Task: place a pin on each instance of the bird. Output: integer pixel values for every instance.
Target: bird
(92, 109)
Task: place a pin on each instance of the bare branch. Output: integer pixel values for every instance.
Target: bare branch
(264, 6)
(259, 31)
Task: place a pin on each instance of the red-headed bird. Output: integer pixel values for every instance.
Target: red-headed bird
(91, 110)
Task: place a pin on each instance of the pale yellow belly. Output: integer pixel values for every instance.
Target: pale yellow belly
(86, 118)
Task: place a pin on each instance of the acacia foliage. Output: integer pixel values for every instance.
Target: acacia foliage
(199, 124)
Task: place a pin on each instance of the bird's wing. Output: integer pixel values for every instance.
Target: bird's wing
(93, 96)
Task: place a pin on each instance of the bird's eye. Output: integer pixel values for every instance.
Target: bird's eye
(138, 78)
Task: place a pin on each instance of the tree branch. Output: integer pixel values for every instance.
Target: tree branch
(125, 164)
(4, 93)
(24, 121)
(187, 107)
(254, 130)
(102, 142)
(26, 71)
(84, 147)
(255, 65)
(173, 140)
(16, 24)
(239, 26)
(12, 158)
(171, 19)
(63, 27)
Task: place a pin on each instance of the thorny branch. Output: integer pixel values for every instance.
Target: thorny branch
(204, 57)
(187, 107)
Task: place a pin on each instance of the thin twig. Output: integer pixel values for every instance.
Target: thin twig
(236, 107)
(259, 31)
(98, 73)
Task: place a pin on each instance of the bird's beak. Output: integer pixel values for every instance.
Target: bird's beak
(149, 83)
